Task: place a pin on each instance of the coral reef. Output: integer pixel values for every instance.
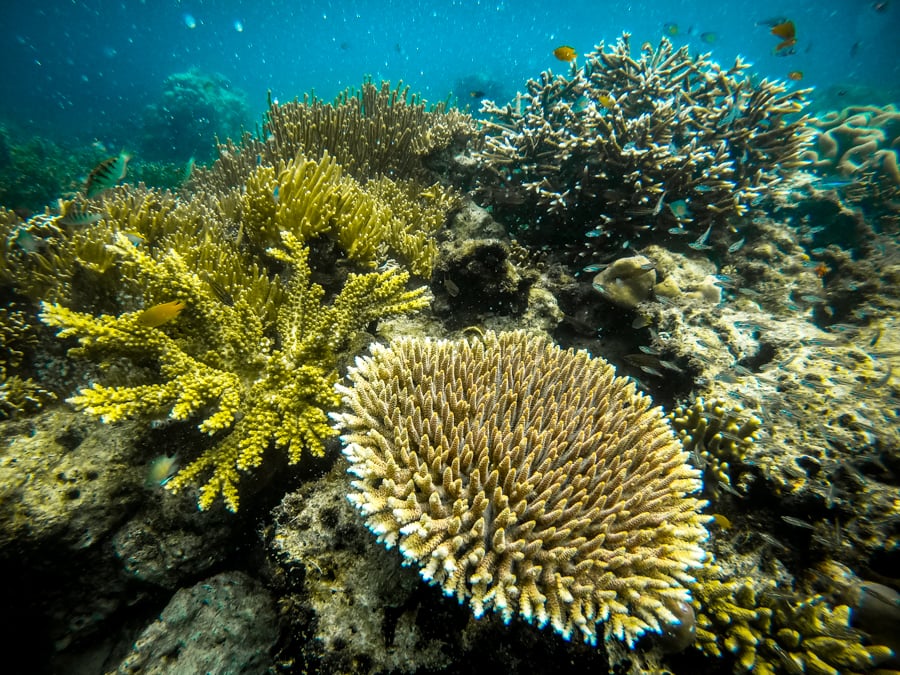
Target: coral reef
(859, 140)
(373, 131)
(195, 109)
(525, 479)
(17, 394)
(624, 146)
(226, 366)
(773, 630)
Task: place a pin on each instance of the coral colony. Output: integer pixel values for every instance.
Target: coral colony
(350, 271)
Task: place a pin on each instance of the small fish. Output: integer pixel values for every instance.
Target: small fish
(700, 244)
(106, 174)
(160, 314)
(709, 37)
(26, 241)
(161, 471)
(189, 168)
(671, 29)
(477, 93)
(796, 522)
(607, 101)
(680, 210)
(668, 365)
(736, 246)
(771, 541)
(648, 350)
(565, 53)
(788, 34)
(134, 237)
(721, 521)
(678, 231)
(451, 288)
(652, 371)
(795, 75)
(220, 292)
(76, 213)
(596, 268)
(880, 6)
(726, 487)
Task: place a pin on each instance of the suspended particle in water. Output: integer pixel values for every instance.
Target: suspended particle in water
(190, 21)
(238, 26)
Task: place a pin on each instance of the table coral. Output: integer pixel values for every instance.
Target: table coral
(525, 479)
(624, 145)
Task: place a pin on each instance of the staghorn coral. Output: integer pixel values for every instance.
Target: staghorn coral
(227, 366)
(625, 145)
(525, 479)
(373, 131)
(368, 222)
(859, 140)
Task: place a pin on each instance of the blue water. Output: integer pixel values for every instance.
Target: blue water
(86, 70)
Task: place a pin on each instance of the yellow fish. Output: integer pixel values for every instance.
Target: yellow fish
(607, 101)
(160, 314)
(721, 521)
(564, 53)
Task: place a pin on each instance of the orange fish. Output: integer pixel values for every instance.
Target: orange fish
(788, 34)
(564, 53)
(160, 314)
(795, 75)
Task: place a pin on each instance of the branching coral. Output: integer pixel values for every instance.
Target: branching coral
(623, 145)
(525, 479)
(368, 222)
(228, 369)
(716, 435)
(17, 394)
(373, 131)
(770, 631)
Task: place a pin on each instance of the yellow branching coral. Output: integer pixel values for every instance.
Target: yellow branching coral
(219, 358)
(770, 632)
(525, 479)
(716, 435)
(370, 222)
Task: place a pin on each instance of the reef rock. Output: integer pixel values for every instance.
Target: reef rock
(627, 282)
